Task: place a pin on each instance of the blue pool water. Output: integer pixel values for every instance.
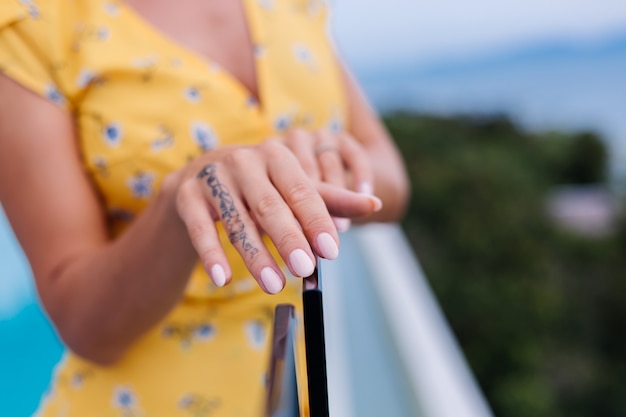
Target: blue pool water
(29, 349)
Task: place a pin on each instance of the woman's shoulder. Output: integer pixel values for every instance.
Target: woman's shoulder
(42, 42)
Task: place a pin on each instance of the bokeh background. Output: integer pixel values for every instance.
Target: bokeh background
(511, 118)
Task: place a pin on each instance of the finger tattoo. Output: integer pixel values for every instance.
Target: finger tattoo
(231, 218)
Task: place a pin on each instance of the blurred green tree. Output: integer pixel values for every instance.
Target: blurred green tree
(539, 311)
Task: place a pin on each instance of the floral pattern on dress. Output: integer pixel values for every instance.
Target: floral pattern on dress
(256, 333)
(198, 405)
(141, 185)
(106, 66)
(188, 333)
(203, 135)
(126, 402)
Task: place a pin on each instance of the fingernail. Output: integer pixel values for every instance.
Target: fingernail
(327, 246)
(301, 264)
(218, 275)
(377, 203)
(365, 187)
(342, 224)
(271, 280)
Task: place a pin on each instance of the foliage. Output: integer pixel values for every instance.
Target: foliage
(539, 311)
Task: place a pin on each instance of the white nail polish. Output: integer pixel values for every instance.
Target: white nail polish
(342, 224)
(376, 202)
(365, 187)
(301, 264)
(218, 275)
(271, 280)
(327, 246)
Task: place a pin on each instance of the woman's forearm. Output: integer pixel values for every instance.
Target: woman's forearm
(105, 299)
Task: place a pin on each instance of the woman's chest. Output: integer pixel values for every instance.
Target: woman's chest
(216, 31)
(147, 104)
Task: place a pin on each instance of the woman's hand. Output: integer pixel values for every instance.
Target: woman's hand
(268, 189)
(333, 158)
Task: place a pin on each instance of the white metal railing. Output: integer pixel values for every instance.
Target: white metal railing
(430, 367)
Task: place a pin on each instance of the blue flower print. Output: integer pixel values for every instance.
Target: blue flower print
(85, 77)
(259, 50)
(205, 332)
(54, 95)
(111, 8)
(33, 9)
(164, 139)
(266, 4)
(256, 334)
(187, 333)
(192, 94)
(251, 102)
(282, 123)
(197, 405)
(304, 55)
(203, 135)
(112, 134)
(335, 125)
(103, 33)
(141, 185)
(124, 398)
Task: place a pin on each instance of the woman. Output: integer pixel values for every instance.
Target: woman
(158, 160)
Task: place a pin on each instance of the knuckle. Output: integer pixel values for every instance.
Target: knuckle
(239, 157)
(267, 205)
(288, 239)
(273, 147)
(300, 134)
(185, 195)
(316, 222)
(300, 191)
(209, 254)
(197, 231)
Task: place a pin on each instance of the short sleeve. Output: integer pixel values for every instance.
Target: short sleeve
(27, 49)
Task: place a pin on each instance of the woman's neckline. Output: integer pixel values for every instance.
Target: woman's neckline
(200, 59)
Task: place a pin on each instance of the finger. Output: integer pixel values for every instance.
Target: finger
(342, 202)
(328, 158)
(278, 222)
(300, 142)
(241, 229)
(196, 215)
(273, 213)
(306, 205)
(357, 163)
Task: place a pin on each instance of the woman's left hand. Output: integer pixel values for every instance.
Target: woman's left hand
(333, 158)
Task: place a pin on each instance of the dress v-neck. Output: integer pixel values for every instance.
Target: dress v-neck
(198, 59)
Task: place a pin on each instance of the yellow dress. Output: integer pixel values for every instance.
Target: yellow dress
(144, 106)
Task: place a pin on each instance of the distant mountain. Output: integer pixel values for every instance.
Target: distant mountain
(536, 52)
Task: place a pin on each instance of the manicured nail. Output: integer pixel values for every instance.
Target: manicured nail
(365, 187)
(218, 275)
(301, 264)
(271, 280)
(377, 203)
(342, 224)
(327, 246)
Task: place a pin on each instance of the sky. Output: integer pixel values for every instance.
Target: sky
(386, 33)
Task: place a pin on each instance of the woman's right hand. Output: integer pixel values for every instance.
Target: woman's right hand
(262, 189)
